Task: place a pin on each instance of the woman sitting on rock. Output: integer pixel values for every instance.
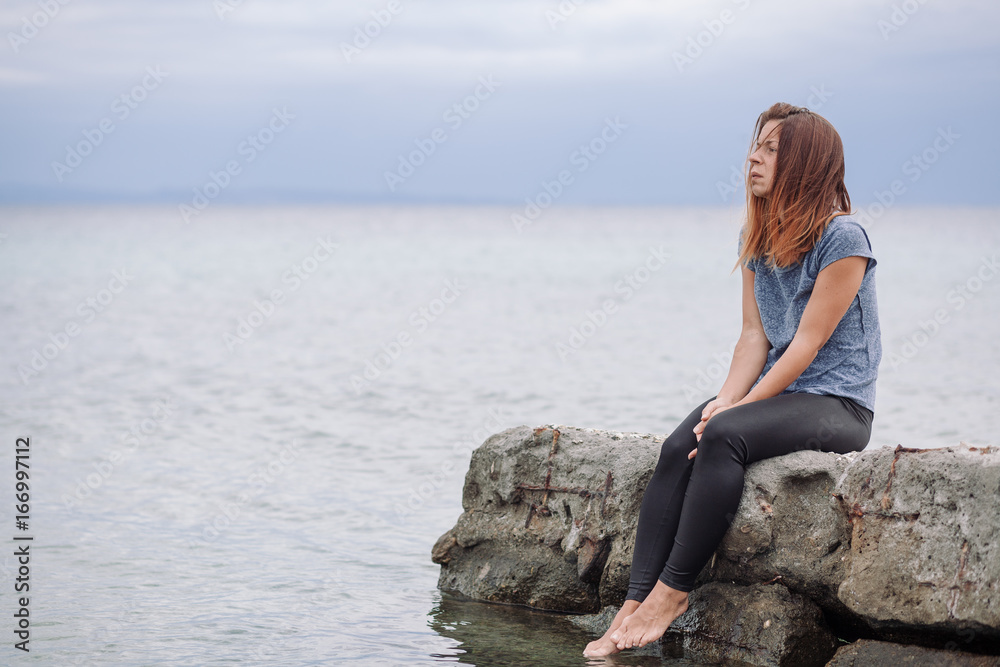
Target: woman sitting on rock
(802, 375)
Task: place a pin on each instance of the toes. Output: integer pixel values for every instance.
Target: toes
(600, 649)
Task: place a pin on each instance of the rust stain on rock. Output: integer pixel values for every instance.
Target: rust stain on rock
(607, 492)
(886, 501)
(591, 558)
(542, 508)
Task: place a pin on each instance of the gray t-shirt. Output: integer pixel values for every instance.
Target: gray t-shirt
(847, 365)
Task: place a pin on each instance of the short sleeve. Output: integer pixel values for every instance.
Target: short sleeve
(843, 238)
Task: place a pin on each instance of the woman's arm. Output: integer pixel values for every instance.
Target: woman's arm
(749, 358)
(835, 289)
(751, 350)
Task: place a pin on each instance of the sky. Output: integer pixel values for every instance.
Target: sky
(581, 102)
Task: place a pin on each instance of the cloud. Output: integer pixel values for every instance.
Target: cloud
(688, 76)
(261, 41)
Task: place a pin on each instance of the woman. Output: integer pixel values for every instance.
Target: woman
(802, 375)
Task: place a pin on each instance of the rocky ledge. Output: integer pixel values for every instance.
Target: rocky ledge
(888, 545)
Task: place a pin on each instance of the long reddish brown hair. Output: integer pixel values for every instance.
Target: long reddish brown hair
(807, 188)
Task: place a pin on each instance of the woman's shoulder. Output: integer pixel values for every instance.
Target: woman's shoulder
(844, 229)
(844, 223)
(843, 236)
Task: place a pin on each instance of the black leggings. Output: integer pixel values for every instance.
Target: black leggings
(689, 504)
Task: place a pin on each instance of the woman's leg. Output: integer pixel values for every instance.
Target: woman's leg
(658, 519)
(660, 512)
(732, 440)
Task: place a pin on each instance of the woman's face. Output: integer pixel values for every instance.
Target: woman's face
(764, 159)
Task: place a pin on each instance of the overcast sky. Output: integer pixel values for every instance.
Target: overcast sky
(142, 99)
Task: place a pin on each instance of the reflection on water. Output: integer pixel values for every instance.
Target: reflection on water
(493, 635)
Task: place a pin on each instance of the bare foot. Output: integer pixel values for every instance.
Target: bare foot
(604, 645)
(652, 618)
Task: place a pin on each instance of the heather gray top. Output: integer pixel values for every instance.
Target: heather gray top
(847, 364)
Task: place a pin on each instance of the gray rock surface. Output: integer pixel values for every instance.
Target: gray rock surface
(789, 525)
(925, 540)
(549, 518)
(751, 625)
(897, 544)
(865, 652)
(757, 625)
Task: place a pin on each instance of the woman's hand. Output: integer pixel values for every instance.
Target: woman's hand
(713, 408)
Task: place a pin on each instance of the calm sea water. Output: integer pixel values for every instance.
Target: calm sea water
(248, 431)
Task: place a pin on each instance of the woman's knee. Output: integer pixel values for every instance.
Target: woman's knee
(720, 439)
(674, 450)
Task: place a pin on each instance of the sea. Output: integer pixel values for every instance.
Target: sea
(233, 439)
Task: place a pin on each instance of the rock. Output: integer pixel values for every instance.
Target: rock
(757, 625)
(924, 540)
(893, 544)
(867, 652)
(789, 525)
(750, 625)
(441, 551)
(549, 518)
